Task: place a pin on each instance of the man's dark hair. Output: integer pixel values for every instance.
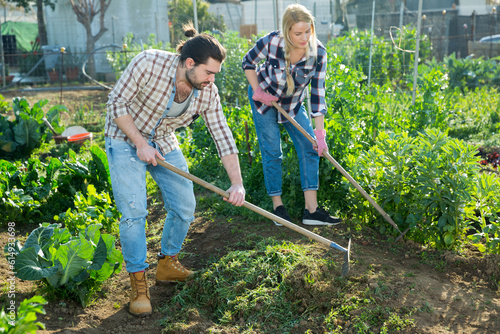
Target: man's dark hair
(200, 47)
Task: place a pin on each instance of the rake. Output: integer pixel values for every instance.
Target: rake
(262, 212)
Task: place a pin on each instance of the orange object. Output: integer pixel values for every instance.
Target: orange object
(80, 138)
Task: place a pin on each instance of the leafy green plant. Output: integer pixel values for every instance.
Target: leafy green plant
(24, 190)
(351, 125)
(95, 208)
(486, 209)
(470, 73)
(20, 137)
(72, 263)
(19, 206)
(431, 107)
(423, 183)
(5, 106)
(25, 320)
(475, 116)
(444, 170)
(40, 190)
(232, 80)
(390, 62)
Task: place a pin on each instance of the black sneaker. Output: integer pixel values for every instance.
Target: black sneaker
(319, 217)
(280, 211)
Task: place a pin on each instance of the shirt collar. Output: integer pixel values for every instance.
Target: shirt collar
(173, 68)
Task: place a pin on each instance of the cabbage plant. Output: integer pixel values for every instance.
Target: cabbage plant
(66, 261)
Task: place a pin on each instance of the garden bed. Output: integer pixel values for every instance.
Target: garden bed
(431, 291)
(449, 292)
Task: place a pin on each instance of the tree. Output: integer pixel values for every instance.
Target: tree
(26, 4)
(85, 11)
(181, 12)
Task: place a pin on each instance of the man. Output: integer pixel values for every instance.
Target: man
(159, 92)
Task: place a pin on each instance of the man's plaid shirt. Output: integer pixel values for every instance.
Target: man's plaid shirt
(144, 90)
(272, 75)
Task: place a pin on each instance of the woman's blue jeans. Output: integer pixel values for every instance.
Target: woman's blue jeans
(128, 178)
(268, 134)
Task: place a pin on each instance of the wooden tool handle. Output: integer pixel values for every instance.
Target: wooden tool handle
(339, 167)
(252, 207)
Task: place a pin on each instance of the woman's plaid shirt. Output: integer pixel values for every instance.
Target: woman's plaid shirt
(272, 75)
(143, 91)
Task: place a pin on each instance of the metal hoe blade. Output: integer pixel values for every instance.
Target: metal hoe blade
(347, 256)
(347, 259)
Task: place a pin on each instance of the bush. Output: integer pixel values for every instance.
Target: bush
(389, 63)
(424, 182)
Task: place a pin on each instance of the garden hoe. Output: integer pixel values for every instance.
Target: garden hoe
(343, 171)
(262, 212)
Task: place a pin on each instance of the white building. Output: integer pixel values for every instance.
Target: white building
(266, 14)
(481, 7)
(142, 18)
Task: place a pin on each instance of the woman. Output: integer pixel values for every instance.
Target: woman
(292, 60)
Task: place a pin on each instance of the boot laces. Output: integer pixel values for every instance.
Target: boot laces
(176, 264)
(141, 286)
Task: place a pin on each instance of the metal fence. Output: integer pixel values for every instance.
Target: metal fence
(448, 32)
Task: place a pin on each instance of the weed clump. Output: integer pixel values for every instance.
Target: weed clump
(280, 288)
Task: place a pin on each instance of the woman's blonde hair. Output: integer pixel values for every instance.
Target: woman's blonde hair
(296, 13)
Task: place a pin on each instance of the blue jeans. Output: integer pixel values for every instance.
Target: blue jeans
(128, 178)
(268, 134)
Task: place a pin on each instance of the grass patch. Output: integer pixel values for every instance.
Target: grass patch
(281, 288)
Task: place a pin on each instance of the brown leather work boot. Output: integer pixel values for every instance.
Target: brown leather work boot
(171, 270)
(140, 304)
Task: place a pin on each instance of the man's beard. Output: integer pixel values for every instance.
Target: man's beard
(191, 79)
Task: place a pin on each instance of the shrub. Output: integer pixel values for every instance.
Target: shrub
(422, 182)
